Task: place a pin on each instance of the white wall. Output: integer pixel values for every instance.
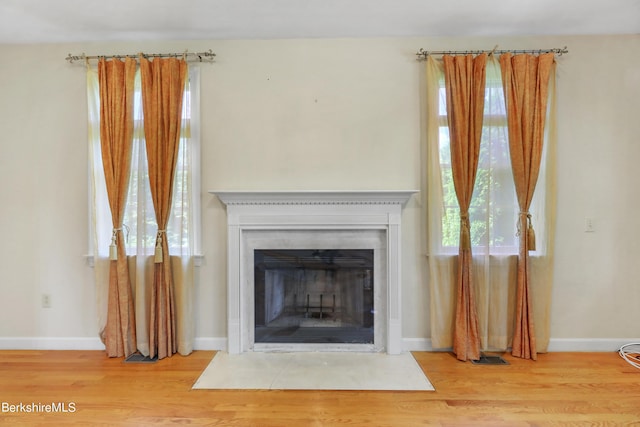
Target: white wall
(312, 114)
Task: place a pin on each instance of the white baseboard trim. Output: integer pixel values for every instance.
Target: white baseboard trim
(50, 343)
(588, 344)
(87, 343)
(220, 343)
(215, 343)
(416, 344)
(555, 344)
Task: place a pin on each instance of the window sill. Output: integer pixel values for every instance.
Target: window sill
(90, 260)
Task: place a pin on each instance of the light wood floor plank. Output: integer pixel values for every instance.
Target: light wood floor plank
(568, 389)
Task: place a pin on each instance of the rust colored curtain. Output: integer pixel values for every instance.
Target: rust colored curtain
(525, 79)
(163, 82)
(116, 135)
(465, 87)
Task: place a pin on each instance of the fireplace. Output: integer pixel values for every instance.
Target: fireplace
(321, 296)
(314, 271)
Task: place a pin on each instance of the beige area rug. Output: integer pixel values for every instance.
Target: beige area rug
(313, 371)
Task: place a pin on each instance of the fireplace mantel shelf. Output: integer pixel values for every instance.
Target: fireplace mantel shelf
(314, 197)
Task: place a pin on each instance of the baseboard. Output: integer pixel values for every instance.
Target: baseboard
(555, 344)
(50, 343)
(588, 344)
(216, 343)
(416, 344)
(77, 343)
(220, 343)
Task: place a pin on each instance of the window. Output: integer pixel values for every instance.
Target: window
(494, 206)
(493, 217)
(139, 220)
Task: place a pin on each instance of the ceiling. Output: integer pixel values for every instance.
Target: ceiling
(62, 21)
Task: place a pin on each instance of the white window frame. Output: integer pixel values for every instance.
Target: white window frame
(195, 166)
(493, 120)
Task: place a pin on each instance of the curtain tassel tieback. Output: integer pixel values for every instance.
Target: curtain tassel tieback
(158, 252)
(113, 247)
(465, 232)
(531, 234)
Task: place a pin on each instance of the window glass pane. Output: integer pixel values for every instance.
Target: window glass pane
(445, 149)
(451, 227)
(493, 210)
(442, 104)
(139, 219)
(179, 220)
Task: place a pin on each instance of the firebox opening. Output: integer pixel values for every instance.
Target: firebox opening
(314, 296)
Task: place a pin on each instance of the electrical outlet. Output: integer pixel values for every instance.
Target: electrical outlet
(46, 301)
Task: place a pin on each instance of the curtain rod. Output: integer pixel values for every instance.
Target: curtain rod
(424, 53)
(189, 56)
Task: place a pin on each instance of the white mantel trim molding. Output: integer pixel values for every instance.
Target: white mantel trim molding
(313, 197)
(313, 210)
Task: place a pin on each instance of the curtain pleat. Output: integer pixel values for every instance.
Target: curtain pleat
(465, 87)
(525, 80)
(163, 82)
(116, 79)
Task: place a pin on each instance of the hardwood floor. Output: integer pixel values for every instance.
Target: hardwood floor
(559, 389)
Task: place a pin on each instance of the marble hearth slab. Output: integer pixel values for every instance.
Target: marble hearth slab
(314, 371)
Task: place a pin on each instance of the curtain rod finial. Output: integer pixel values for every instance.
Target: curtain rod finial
(73, 58)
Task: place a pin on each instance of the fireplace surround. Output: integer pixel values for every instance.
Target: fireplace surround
(317, 221)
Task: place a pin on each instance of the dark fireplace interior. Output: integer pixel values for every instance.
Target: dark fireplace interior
(314, 296)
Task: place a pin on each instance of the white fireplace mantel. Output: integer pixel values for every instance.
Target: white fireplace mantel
(251, 212)
(390, 197)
